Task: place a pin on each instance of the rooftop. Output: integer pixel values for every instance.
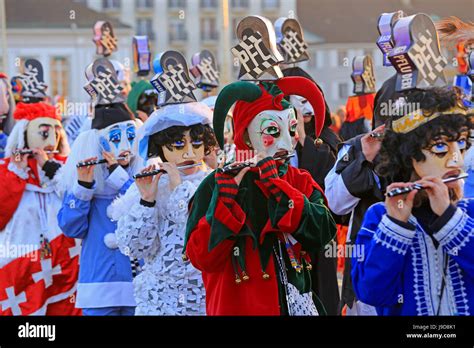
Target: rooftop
(53, 14)
(344, 21)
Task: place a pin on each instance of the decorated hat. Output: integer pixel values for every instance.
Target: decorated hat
(204, 69)
(138, 89)
(363, 75)
(172, 80)
(103, 85)
(290, 40)
(257, 50)
(385, 25)
(259, 58)
(414, 36)
(178, 105)
(104, 38)
(32, 86)
(141, 55)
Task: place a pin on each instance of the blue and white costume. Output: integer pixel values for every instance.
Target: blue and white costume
(408, 269)
(105, 276)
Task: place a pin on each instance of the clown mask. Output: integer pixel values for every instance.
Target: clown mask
(186, 151)
(4, 98)
(118, 139)
(43, 133)
(273, 132)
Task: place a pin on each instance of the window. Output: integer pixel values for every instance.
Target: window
(144, 4)
(270, 4)
(59, 67)
(342, 57)
(177, 30)
(208, 29)
(145, 27)
(312, 62)
(177, 4)
(208, 3)
(111, 4)
(235, 22)
(343, 90)
(240, 3)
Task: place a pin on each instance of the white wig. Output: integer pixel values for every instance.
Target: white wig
(16, 139)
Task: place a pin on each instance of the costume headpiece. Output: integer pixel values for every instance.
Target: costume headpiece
(257, 50)
(257, 40)
(416, 55)
(141, 55)
(178, 106)
(385, 25)
(172, 79)
(204, 69)
(104, 38)
(33, 88)
(290, 40)
(419, 117)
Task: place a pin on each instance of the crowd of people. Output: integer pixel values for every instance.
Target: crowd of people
(160, 204)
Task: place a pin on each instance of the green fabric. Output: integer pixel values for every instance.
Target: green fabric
(137, 89)
(240, 90)
(274, 90)
(316, 229)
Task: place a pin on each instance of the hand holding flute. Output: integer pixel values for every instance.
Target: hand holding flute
(400, 196)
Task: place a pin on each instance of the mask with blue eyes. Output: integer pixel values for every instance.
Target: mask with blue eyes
(118, 138)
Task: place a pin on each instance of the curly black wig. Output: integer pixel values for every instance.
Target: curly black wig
(172, 134)
(399, 149)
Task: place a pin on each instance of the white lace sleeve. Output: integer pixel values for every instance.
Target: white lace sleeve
(176, 207)
(137, 232)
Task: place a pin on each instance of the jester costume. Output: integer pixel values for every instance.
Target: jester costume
(240, 236)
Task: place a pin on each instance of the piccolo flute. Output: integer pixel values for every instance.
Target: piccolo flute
(376, 135)
(158, 171)
(93, 163)
(232, 168)
(403, 190)
(30, 152)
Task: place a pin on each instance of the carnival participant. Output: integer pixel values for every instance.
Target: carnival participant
(38, 274)
(105, 277)
(152, 215)
(418, 247)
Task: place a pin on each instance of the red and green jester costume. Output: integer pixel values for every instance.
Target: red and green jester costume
(233, 231)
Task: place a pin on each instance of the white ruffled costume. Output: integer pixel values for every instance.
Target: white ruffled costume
(167, 285)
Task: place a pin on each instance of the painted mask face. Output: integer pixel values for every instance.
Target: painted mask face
(303, 106)
(185, 151)
(228, 130)
(43, 133)
(273, 132)
(118, 139)
(4, 102)
(444, 158)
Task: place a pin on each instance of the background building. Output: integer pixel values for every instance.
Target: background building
(346, 28)
(59, 34)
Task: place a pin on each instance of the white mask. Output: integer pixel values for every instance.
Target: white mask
(272, 131)
(302, 105)
(118, 138)
(4, 98)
